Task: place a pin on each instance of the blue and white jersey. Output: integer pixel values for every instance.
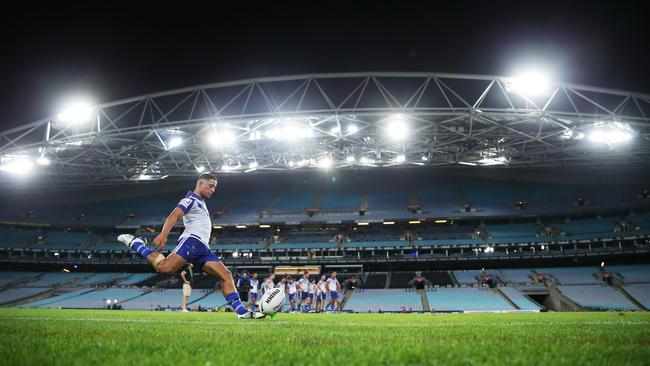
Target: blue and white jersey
(197, 218)
(322, 286)
(254, 285)
(292, 287)
(281, 285)
(312, 288)
(268, 284)
(333, 284)
(304, 284)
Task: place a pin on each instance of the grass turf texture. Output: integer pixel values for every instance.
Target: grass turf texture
(87, 337)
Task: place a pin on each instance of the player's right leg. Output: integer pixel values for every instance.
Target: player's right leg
(215, 268)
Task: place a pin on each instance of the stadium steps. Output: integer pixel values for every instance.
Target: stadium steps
(25, 300)
(498, 291)
(630, 298)
(454, 281)
(346, 297)
(272, 202)
(425, 301)
(560, 302)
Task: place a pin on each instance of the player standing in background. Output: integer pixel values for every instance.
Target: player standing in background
(244, 287)
(333, 286)
(268, 283)
(304, 285)
(255, 283)
(187, 275)
(282, 285)
(312, 292)
(321, 295)
(291, 286)
(193, 244)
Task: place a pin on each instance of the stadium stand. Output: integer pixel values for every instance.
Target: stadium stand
(170, 298)
(14, 294)
(375, 280)
(640, 292)
(521, 301)
(364, 301)
(467, 300)
(516, 276)
(572, 276)
(597, 297)
(632, 273)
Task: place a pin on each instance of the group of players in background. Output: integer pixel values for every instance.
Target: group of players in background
(303, 294)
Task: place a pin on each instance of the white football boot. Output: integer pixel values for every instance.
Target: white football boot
(128, 240)
(252, 315)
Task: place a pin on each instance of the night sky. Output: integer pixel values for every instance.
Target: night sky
(112, 53)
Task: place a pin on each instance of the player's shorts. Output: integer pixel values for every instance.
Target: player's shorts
(311, 296)
(322, 296)
(292, 297)
(334, 295)
(187, 290)
(253, 296)
(304, 295)
(194, 251)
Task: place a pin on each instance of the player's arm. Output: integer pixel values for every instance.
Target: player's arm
(184, 278)
(160, 240)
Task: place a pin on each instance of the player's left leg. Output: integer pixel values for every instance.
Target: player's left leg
(215, 268)
(165, 265)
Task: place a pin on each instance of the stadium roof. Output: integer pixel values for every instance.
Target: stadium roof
(344, 120)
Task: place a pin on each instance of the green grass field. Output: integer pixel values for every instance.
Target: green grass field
(86, 337)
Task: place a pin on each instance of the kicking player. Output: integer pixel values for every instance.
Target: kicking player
(291, 286)
(187, 275)
(333, 286)
(193, 244)
(321, 295)
(304, 285)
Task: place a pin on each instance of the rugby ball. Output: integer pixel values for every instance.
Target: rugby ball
(272, 301)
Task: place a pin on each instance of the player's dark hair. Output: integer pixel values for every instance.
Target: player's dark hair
(207, 176)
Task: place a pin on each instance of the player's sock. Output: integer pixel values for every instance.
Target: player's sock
(299, 304)
(235, 303)
(141, 249)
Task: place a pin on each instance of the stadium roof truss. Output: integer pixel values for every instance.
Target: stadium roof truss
(338, 121)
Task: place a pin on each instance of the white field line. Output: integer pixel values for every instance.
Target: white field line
(342, 324)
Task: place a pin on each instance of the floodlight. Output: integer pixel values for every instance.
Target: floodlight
(350, 159)
(325, 163)
(400, 158)
(77, 111)
(352, 129)
(222, 137)
(173, 142)
(532, 83)
(397, 128)
(17, 166)
(611, 133)
(43, 161)
(200, 168)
